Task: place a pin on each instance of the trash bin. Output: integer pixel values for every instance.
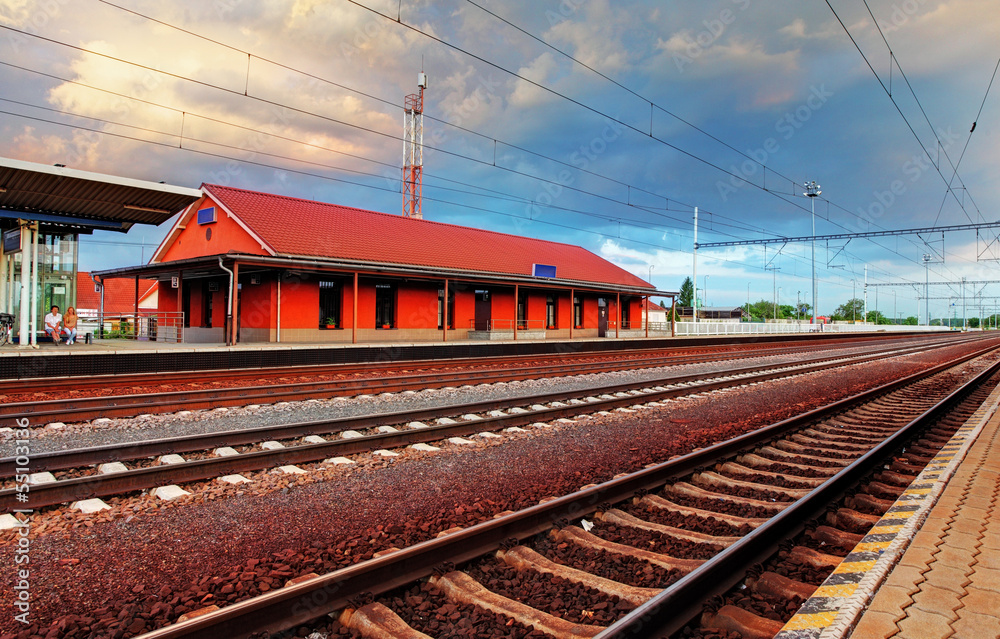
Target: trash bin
(88, 338)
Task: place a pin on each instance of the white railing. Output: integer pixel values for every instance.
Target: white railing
(760, 328)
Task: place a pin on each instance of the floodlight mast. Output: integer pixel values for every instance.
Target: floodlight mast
(413, 150)
(812, 192)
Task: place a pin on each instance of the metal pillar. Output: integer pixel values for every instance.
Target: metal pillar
(33, 293)
(646, 304)
(517, 301)
(673, 317)
(4, 258)
(354, 317)
(234, 303)
(444, 314)
(277, 304)
(572, 312)
(618, 310)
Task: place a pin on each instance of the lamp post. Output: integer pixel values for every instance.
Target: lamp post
(798, 305)
(777, 295)
(705, 294)
(812, 192)
(650, 278)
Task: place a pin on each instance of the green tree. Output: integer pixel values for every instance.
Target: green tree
(973, 322)
(853, 309)
(876, 317)
(687, 293)
(910, 321)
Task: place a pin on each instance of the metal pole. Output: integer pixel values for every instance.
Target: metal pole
(864, 318)
(33, 294)
(694, 268)
(854, 296)
(964, 327)
(23, 340)
(812, 192)
(444, 312)
(354, 316)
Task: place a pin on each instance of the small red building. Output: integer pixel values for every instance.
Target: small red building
(294, 270)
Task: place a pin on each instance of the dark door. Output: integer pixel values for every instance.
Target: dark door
(484, 309)
(602, 317)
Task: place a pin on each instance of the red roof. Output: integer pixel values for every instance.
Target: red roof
(295, 227)
(119, 294)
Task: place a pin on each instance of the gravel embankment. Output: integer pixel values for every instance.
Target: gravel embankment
(142, 564)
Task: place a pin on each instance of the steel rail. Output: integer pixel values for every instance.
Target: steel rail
(84, 408)
(294, 605)
(64, 459)
(89, 486)
(682, 601)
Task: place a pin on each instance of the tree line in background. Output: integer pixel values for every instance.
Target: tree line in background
(851, 310)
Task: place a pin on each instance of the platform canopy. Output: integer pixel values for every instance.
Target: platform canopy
(80, 201)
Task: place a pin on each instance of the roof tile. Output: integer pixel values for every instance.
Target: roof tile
(296, 227)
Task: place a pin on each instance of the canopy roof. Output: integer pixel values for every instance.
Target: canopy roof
(83, 201)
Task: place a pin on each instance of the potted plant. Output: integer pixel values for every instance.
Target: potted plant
(331, 322)
(385, 326)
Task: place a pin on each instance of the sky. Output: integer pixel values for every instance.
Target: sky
(598, 123)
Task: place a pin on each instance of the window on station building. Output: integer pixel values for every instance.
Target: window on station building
(385, 306)
(522, 310)
(626, 314)
(550, 312)
(329, 304)
(577, 312)
(451, 308)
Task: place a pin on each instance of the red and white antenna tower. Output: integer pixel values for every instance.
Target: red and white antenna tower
(413, 150)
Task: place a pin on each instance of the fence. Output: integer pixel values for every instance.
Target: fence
(750, 328)
(144, 326)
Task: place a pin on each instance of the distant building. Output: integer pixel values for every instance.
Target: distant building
(119, 296)
(727, 314)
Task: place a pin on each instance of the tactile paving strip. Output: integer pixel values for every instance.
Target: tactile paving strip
(836, 605)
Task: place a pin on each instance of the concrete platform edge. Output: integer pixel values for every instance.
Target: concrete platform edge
(834, 617)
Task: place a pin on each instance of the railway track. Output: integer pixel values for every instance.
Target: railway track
(86, 482)
(335, 382)
(626, 558)
(36, 384)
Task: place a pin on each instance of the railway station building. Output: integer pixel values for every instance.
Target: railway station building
(246, 266)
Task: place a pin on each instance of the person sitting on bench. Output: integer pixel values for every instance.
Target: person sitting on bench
(53, 324)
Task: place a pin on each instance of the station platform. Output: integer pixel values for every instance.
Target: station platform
(930, 569)
(109, 357)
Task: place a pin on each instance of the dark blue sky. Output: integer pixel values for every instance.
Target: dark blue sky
(683, 105)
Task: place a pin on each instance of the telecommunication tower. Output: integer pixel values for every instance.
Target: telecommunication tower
(413, 150)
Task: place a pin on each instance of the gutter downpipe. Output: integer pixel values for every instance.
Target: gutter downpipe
(278, 332)
(100, 311)
(229, 309)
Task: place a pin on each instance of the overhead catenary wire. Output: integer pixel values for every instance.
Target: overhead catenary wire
(906, 120)
(533, 177)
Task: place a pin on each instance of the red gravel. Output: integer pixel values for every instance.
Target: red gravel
(146, 568)
(425, 609)
(558, 597)
(620, 568)
(654, 541)
(708, 526)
